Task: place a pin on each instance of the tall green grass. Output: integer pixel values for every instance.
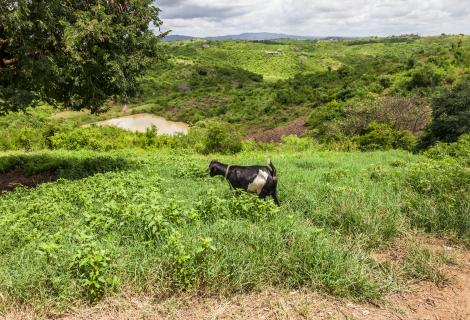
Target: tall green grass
(163, 226)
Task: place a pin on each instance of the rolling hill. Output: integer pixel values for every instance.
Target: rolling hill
(243, 36)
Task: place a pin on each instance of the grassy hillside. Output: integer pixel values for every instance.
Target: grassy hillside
(155, 222)
(136, 213)
(340, 89)
(269, 83)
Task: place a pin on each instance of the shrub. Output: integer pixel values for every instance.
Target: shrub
(201, 71)
(458, 151)
(411, 63)
(288, 96)
(188, 264)
(325, 113)
(296, 143)
(65, 164)
(345, 93)
(344, 71)
(382, 136)
(110, 138)
(423, 77)
(105, 138)
(212, 207)
(385, 82)
(91, 264)
(400, 113)
(215, 137)
(25, 130)
(28, 139)
(403, 113)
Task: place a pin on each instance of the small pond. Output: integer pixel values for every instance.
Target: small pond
(140, 123)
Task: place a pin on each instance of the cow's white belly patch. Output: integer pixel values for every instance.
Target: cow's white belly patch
(257, 185)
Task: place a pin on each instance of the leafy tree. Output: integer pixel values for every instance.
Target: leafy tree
(74, 53)
(451, 115)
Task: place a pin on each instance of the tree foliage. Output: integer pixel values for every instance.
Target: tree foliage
(451, 115)
(74, 53)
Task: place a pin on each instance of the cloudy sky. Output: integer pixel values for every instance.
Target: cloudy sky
(315, 17)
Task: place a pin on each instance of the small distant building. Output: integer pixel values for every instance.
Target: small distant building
(273, 53)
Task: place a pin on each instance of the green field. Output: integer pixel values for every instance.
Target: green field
(132, 213)
(153, 222)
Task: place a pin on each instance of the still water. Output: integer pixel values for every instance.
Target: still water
(140, 123)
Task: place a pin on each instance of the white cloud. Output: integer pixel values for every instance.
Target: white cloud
(315, 17)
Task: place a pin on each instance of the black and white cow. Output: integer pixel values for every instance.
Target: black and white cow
(261, 180)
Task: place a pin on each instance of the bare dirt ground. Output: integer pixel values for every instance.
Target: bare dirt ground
(13, 179)
(296, 127)
(423, 300)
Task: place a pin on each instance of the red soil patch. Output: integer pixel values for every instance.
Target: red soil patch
(297, 127)
(13, 179)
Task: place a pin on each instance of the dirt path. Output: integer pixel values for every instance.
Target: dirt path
(424, 301)
(431, 302)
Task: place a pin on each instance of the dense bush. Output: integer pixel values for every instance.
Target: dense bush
(401, 113)
(27, 130)
(423, 77)
(457, 151)
(215, 137)
(397, 116)
(325, 113)
(288, 97)
(22, 139)
(64, 164)
(322, 117)
(110, 138)
(382, 137)
(451, 115)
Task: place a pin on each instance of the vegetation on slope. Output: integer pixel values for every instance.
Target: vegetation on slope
(137, 212)
(373, 94)
(218, 79)
(162, 225)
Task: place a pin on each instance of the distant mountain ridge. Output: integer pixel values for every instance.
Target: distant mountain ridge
(243, 36)
(176, 37)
